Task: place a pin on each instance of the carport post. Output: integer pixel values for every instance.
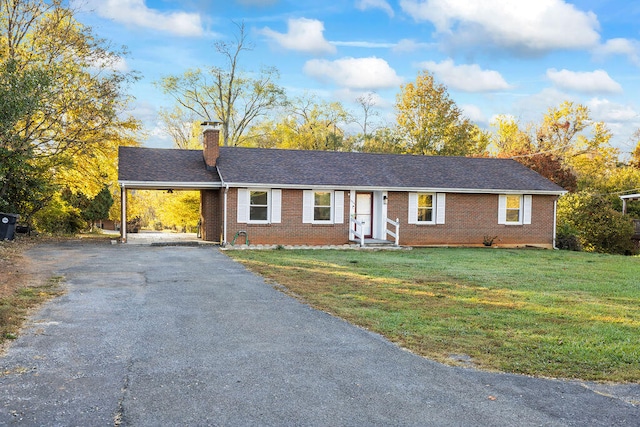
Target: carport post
(123, 215)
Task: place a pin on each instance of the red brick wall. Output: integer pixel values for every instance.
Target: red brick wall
(291, 231)
(211, 211)
(469, 218)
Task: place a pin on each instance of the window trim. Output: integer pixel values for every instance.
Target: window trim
(524, 210)
(433, 208)
(336, 207)
(438, 201)
(268, 206)
(274, 206)
(313, 207)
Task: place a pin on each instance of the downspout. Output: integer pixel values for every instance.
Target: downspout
(555, 221)
(123, 214)
(224, 229)
(224, 209)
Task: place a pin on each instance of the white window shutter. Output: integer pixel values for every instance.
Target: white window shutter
(526, 209)
(502, 209)
(307, 206)
(276, 206)
(413, 208)
(440, 207)
(338, 207)
(243, 205)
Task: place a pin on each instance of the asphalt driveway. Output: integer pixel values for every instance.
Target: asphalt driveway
(149, 336)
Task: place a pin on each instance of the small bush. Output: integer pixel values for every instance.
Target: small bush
(567, 239)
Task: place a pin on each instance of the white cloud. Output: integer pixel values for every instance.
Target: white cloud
(409, 45)
(474, 113)
(620, 46)
(597, 81)
(523, 26)
(303, 35)
(375, 4)
(355, 73)
(136, 13)
(467, 78)
(365, 45)
(610, 112)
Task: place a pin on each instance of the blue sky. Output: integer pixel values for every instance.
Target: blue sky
(495, 56)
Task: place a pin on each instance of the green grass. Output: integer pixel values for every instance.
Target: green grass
(544, 313)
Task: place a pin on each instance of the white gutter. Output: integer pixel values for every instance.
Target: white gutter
(174, 185)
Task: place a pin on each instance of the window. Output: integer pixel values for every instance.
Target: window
(258, 206)
(425, 207)
(322, 206)
(514, 209)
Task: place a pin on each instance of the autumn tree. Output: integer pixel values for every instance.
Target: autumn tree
(432, 123)
(236, 98)
(74, 122)
(305, 124)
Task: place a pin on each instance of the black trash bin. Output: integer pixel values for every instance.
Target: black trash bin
(8, 225)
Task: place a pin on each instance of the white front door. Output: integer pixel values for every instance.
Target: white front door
(364, 211)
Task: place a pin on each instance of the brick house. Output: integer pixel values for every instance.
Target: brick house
(298, 197)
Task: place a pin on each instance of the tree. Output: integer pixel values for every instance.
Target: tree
(598, 227)
(550, 167)
(384, 140)
(226, 94)
(184, 130)
(24, 182)
(367, 102)
(306, 124)
(98, 207)
(432, 123)
(509, 138)
(75, 120)
(566, 147)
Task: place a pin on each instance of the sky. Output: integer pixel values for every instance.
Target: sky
(513, 57)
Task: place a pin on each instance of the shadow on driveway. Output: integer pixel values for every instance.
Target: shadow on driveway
(150, 336)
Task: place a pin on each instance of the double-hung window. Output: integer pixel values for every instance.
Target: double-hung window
(514, 209)
(427, 208)
(259, 205)
(322, 207)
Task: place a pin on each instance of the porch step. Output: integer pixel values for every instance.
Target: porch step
(376, 243)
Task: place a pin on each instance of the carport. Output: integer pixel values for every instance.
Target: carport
(168, 170)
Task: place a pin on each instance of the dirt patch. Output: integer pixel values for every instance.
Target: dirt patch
(16, 270)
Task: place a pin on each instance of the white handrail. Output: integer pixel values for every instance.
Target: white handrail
(359, 229)
(396, 235)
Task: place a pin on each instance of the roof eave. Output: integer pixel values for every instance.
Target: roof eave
(410, 189)
(165, 185)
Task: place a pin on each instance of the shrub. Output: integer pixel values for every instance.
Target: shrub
(567, 239)
(597, 226)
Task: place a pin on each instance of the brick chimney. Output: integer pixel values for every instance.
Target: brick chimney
(211, 143)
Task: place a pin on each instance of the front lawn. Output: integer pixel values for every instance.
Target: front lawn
(544, 313)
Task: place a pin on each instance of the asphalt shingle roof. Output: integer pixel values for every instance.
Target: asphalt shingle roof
(163, 165)
(308, 169)
(329, 168)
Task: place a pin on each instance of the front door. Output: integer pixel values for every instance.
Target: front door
(364, 212)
